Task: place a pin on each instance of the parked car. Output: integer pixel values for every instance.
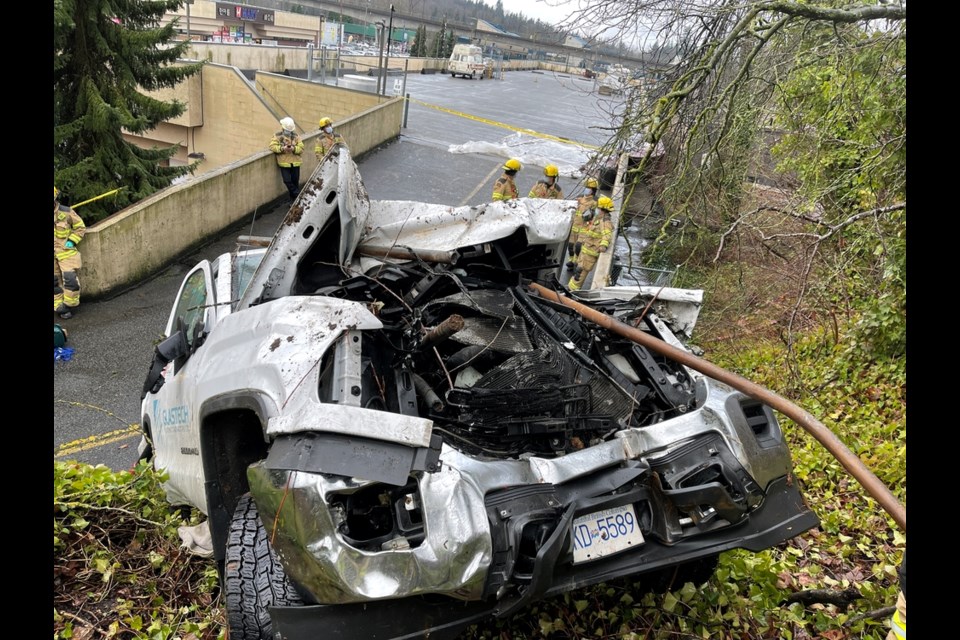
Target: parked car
(394, 435)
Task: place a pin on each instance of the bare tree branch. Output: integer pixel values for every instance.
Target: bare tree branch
(848, 15)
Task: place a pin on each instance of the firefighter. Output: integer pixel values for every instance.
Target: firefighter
(595, 236)
(586, 202)
(505, 188)
(68, 230)
(547, 187)
(287, 147)
(327, 139)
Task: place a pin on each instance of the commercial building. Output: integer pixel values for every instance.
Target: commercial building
(230, 22)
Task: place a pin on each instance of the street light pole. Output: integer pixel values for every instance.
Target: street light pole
(387, 60)
(380, 27)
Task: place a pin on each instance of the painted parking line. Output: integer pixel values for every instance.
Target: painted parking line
(490, 175)
(92, 442)
(99, 440)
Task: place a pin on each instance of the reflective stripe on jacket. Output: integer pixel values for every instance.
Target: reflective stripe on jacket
(584, 203)
(286, 158)
(898, 621)
(898, 626)
(596, 234)
(67, 225)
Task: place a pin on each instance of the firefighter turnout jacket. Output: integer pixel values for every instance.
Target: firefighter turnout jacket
(596, 234)
(542, 189)
(67, 225)
(325, 142)
(595, 237)
(505, 188)
(287, 147)
(584, 203)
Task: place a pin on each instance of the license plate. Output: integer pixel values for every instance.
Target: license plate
(604, 533)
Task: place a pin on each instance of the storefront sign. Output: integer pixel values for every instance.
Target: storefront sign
(227, 11)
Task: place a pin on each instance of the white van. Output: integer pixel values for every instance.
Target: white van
(467, 61)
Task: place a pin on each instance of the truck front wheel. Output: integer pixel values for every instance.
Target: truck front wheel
(253, 577)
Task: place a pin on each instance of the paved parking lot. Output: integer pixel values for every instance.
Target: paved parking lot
(97, 392)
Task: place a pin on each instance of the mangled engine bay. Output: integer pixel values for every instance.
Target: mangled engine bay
(503, 372)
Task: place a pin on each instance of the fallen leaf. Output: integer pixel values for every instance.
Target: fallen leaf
(806, 580)
(784, 580)
(83, 633)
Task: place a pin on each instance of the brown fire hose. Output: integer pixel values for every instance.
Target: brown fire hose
(850, 462)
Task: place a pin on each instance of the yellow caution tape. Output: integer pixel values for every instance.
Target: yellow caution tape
(530, 132)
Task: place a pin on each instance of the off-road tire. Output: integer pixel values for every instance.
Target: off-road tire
(253, 578)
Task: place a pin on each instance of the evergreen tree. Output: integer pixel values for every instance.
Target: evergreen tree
(448, 42)
(419, 48)
(106, 54)
(439, 45)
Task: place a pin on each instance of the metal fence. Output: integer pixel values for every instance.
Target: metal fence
(630, 275)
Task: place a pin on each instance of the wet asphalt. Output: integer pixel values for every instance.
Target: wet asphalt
(97, 391)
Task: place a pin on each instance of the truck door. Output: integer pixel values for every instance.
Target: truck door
(174, 424)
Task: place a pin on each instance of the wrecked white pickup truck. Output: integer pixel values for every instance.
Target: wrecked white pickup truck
(394, 436)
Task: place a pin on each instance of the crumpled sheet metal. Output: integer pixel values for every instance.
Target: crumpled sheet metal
(453, 559)
(313, 415)
(420, 225)
(455, 555)
(678, 308)
(274, 346)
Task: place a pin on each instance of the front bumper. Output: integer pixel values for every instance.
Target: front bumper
(782, 516)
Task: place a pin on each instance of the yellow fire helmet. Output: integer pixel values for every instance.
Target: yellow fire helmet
(325, 122)
(592, 183)
(512, 165)
(56, 193)
(551, 171)
(605, 203)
